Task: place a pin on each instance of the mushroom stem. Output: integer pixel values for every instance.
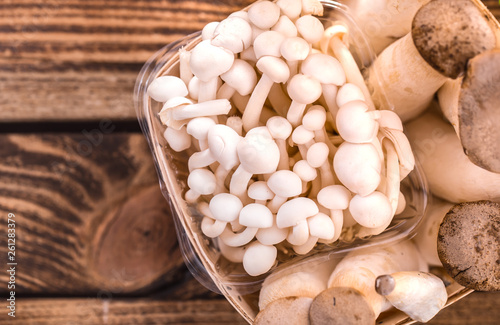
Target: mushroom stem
(239, 182)
(206, 108)
(299, 234)
(201, 159)
(185, 72)
(221, 174)
(255, 104)
(392, 174)
(329, 96)
(225, 91)
(233, 239)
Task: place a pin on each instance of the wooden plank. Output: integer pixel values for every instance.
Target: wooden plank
(478, 308)
(125, 311)
(66, 60)
(89, 214)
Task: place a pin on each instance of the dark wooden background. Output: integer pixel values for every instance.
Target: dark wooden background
(95, 242)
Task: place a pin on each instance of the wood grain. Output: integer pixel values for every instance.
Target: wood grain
(122, 312)
(89, 214)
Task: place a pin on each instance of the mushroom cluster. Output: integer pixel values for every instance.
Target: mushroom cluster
(284, 140)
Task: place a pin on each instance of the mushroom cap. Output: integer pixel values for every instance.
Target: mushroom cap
(223, 142)
(317, 154)
(390, 120)
(285, 26)
(466, 246)
(178, 140)
(449, 33)
(194, 87)
(285, 183)
(257, 151)
(272, 235)
(358, 167)
(199, 127)
(165, 87)
(208, 61)
(242, 77)
(310, 28)
(240, 14)
(258, 258)
(225, 207)
(479, 113)
(264, 14)
(256, 216)
(321, 226)
(301, 135)
(260, 191)
(334, 197)
(275, 68)
(355, 124)
(305, 171)
(351, 307)
(268, 43)
(279, 127)
(348, 93)
(233, 33)
(315, 118)
(325, 68)
(279, 311)
(202, 181)
(290, 8)
(208, 30)
(294, 211)
(295, 49)
(304, 89)
(371, 211)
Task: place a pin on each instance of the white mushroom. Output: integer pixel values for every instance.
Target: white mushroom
(336, 199)
(284, 184)
(272, 235)
(420, 295)
(256, 215)
(264, 14)
(268, 43)
(303, 90)
(210, 226)
(258, 154)
(232, 254)
(198, 128)
(299, 234)
(290, 8)
(233, 33)
(358, 167)
(321, 226)
(285, 26)
(294, 50)
(260, 192)
(208, 62)
(348, 93)
(317, 157)
(372, 211)
(178, 140)
(312, 7)
(235, 123)
(165, 87)
(314, 120)
(305, 172)
(240, 78)
(207, 33)
(294, 211)
(185, 72)
(258, 258)
(200, 182)
(274, 70)
(356, 123)
(310, 28)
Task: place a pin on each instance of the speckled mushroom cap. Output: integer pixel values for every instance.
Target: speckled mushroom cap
(434, 32)
(468, 244)
(479, 111)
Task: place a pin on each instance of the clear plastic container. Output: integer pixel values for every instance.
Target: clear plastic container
(201, 254)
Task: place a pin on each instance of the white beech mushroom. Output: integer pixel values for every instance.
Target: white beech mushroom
(165, 87)
(290, 8)
(299, 234)
(272, 235)
(264, 14)
(207, 33)
(256, 216)
(358, 167)
(285, 26)
(259, 258)
(185, 72)
(372, 211)
(235, 123)
(260, 192)
(420, 295)
(294, 50)
(321, 226)
(232, 254)
(305, 172)
(336, 199)
(280, 130)
(241, 78)
(314, 120)
(352, 284)
(268, 44)
(356, 123)
(407, 74)
(178, 140)
(347, 93)
(303, 90)
(312, 7)
(210, 226)
(208, 62)
(258, 154)
(317, 157)
(329, 72)
(233, 34)
(472, 105)
(200, 182)
(274, 70)
(294, 211)
(303, 138)
(284, 184)
(198, 128)
(449, 172)
(222, 147)
(310, 28)
(207, 108)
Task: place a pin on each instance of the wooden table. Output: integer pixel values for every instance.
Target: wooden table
(94, 242)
